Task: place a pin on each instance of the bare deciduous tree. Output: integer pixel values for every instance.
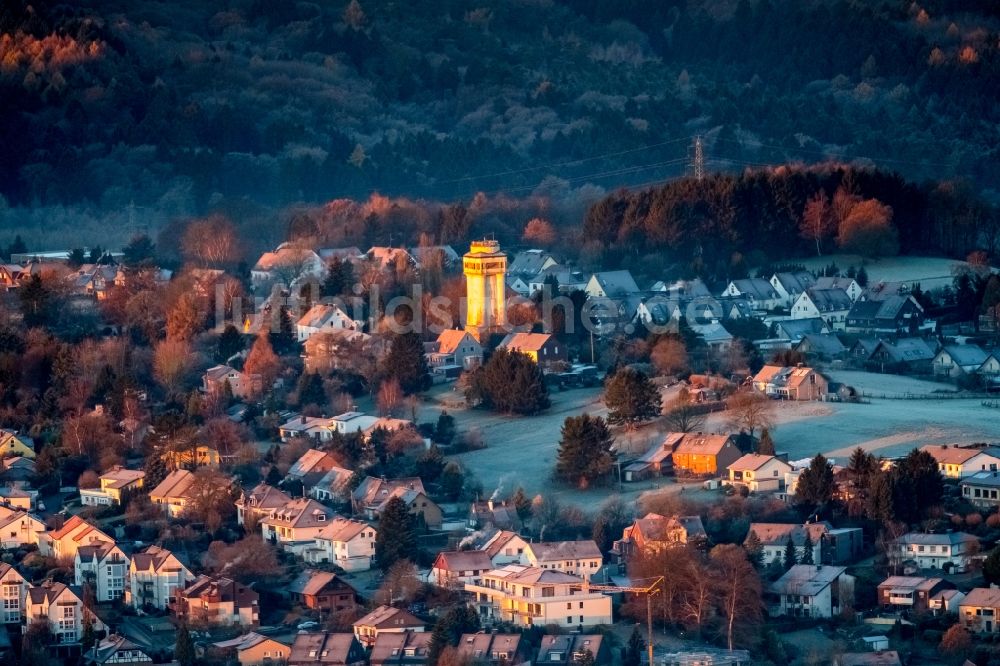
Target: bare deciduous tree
(669, 355)
(749, 412)
(211, 241)
(738, 588)
(682, 415)
(818, 222)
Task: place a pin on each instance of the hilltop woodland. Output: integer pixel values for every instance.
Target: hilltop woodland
(248, 108)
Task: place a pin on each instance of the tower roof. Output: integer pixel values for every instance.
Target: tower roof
(486, 246)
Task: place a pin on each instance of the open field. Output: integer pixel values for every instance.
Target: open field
(930, 272)
(522, 451)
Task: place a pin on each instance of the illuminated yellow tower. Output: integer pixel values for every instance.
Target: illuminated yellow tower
(485, 268)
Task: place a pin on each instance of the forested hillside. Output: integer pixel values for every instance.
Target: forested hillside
(249, 106)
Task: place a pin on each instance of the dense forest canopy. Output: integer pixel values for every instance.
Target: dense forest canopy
(127, 113)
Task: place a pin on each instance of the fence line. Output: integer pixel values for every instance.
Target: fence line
(928, 396)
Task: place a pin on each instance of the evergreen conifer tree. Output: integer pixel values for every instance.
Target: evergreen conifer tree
(396, 538)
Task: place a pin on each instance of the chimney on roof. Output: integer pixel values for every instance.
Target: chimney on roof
(489, 502)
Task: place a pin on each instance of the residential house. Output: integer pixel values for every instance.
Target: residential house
(14, 444)
(93, 280)
(13, 497)
(324, 648)
(455, 347)
(737, 307)
(493, 649)
(253, 649)
(20, 528)
(500, 515)
(217, 600)
(958, 360)
(11, 276)
(505, 547)
(715, 335)
(569, 649)
(322, 318)
(958, 462)
(910, 593)
(815, 591)
(792, 285)
(699, 454)
(794, 330)
(774, 538)
(349, 544)
(982, 489)
(759, 473)
(821, 347)
(296, 524)
(979, 611)
(104, 567)
(788, 383)
(444, 256)
(173, 493)
(579, 558)
(63, 543)
(681, 289)
(408, 648)
(386, 619)
(322, 429)
(61, 608)
(350, 254)
(13, 588)
(154, 577)
(529, 263)
(115, 483)
(240, 384)
(526, 596)
(323, 591)
(611, 284)
(390, 257)
(261, 502)
(566, 281)
(333, 486)
(761, 296)
(946, 601)
(911, 355)
(287, 264)
(849, 285)
(313, 465)
(832, 305)
(17, 471)
(607, 315)
(543, 348)
(990, 369)
(373, 494)
(115, 649)
(454, 569)
(657, 461)
(948, 551)
(333, 350)
(894, 314)
(654, 532)
(201, 455)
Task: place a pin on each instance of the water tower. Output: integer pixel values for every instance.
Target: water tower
(485, 268)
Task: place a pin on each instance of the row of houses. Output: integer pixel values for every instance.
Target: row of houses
(410, 648)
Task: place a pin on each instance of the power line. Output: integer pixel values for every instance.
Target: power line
(831, 154)
(556, 165)
(588, 177)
